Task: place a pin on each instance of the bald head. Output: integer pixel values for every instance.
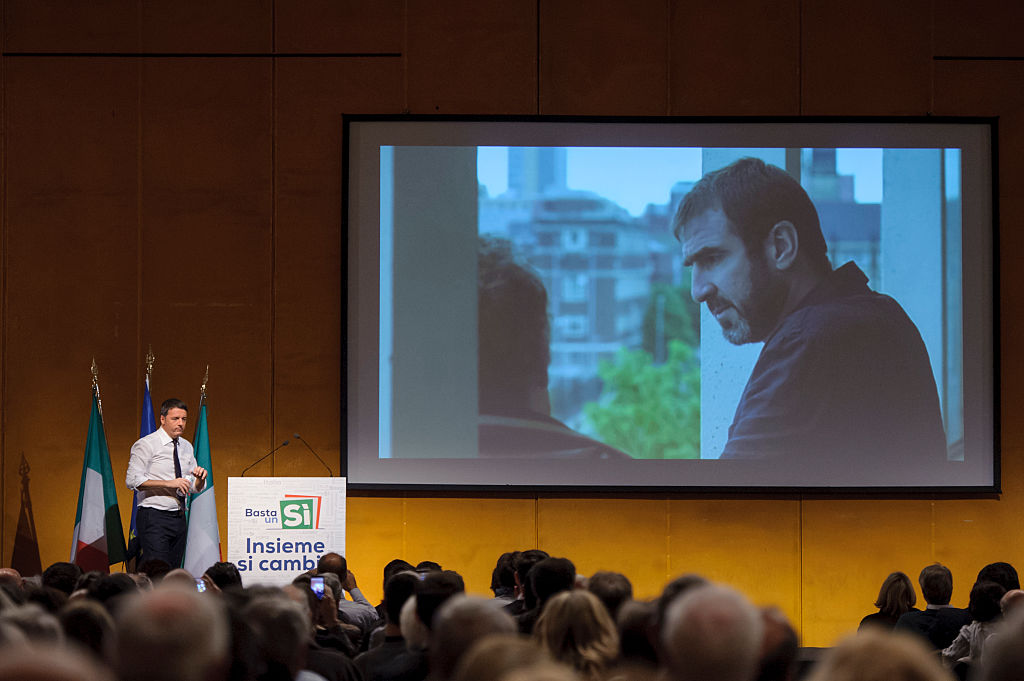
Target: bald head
(712, 632)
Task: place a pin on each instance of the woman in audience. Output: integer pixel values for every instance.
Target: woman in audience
(967, 648)
(894, 598)
(576, 629)
(877, 655)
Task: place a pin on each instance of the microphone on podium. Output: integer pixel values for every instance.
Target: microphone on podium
(300, 439)
(283, 444)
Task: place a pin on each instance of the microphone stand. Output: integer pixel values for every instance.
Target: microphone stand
(283, 444)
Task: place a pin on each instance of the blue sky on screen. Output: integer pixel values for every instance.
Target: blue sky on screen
(635, 177)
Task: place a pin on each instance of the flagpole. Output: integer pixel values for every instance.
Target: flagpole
(96, 387)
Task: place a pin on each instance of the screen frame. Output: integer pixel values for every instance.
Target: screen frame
(799, 125)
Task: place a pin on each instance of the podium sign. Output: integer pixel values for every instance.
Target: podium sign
(279, 527)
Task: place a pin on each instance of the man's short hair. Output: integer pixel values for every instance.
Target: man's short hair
(612, 588)
(756, 196)
(333, 562)
(523, 563)
(396, 592)
(514, 331)
(436, 588)
(712, 632)
(172, 403)
(62, 576)
(225, 575)
(936, 584)
(551, 576)
(394, 567)
(985, 601)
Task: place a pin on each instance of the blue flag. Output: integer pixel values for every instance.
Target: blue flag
(147, 424)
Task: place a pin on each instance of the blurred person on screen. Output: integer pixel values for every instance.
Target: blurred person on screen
(843, 375)
(514, 353)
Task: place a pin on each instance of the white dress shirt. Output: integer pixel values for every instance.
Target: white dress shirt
(153, 459)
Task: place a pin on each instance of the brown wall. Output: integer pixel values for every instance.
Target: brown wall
(171, 176)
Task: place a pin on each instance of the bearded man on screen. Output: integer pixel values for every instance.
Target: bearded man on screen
(844, 374)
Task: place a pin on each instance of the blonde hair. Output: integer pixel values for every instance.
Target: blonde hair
(575, 628)
(497, 655)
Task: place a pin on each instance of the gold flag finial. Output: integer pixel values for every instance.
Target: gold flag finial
(150, 358)
(96, 386)
(206, 379)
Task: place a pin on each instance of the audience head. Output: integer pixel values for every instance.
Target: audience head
(779, 647)
(394, 567)
(984, 603)
(503, 576)
(712, 632)
(398, 589)
(427, 566)
(896, 595)
(936, 584)
(636, 627)
(334, 563)
(612, 588)
(1004, 651)
(224, 575)
(495, 655)
(1011, 601)
(522, 564)
(87, 623)
(62, 576)
(416, 634)
(49, 663)
(108, 588)
(10, 576)
(155, 569)
(576, 629)
(283, 629)
(1003, 574)
(35, 623)
(459, 623)
(170, 634)
(49, 599)
(878, 655)
(433, 590)
(677, 587)
(551, 576)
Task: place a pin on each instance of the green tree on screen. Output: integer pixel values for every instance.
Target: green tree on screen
(651, 411)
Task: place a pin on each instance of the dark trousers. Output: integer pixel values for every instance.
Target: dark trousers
(161, 535)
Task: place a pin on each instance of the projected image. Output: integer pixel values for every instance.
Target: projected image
(706, 316)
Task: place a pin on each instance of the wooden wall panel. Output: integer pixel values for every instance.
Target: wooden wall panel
(466, 534)
(206, 284)
(310, 97)
(328, 26)
(722, 66)
(987, 28)
(865, 58)
(461, 59)
(210, 26)
(622, 535)
(58, 26)
(849, 547)
(71, 133)
(375, 534)
(751, 544)
(609, 58)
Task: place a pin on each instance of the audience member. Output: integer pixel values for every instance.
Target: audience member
(224, 575)
(1003, 574)
(894, 598)
(877, 655)
(1011, 601)
(712, 632)
(10, 576)
(612, 588)
(524, 598)
(779, 647)
(62, 576)
(170, 634)
(27, 662)
(390, 570)
(35, 623)
(576, 629)
(547, 578)
(88, 624)
(458, 624)
(503, 578)
(967, 647)
(392, 660)
(939, 622)
(495, 655)
(357, 611)
(434, 589)
(638, 635)
(330, 663)
(1004, 652)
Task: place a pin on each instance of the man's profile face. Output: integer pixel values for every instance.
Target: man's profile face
(174, 422)
(740, 290)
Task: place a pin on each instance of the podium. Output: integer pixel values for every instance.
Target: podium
(279, 527)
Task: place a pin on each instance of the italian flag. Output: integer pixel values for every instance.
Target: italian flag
(98, 542)
(202, 547)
